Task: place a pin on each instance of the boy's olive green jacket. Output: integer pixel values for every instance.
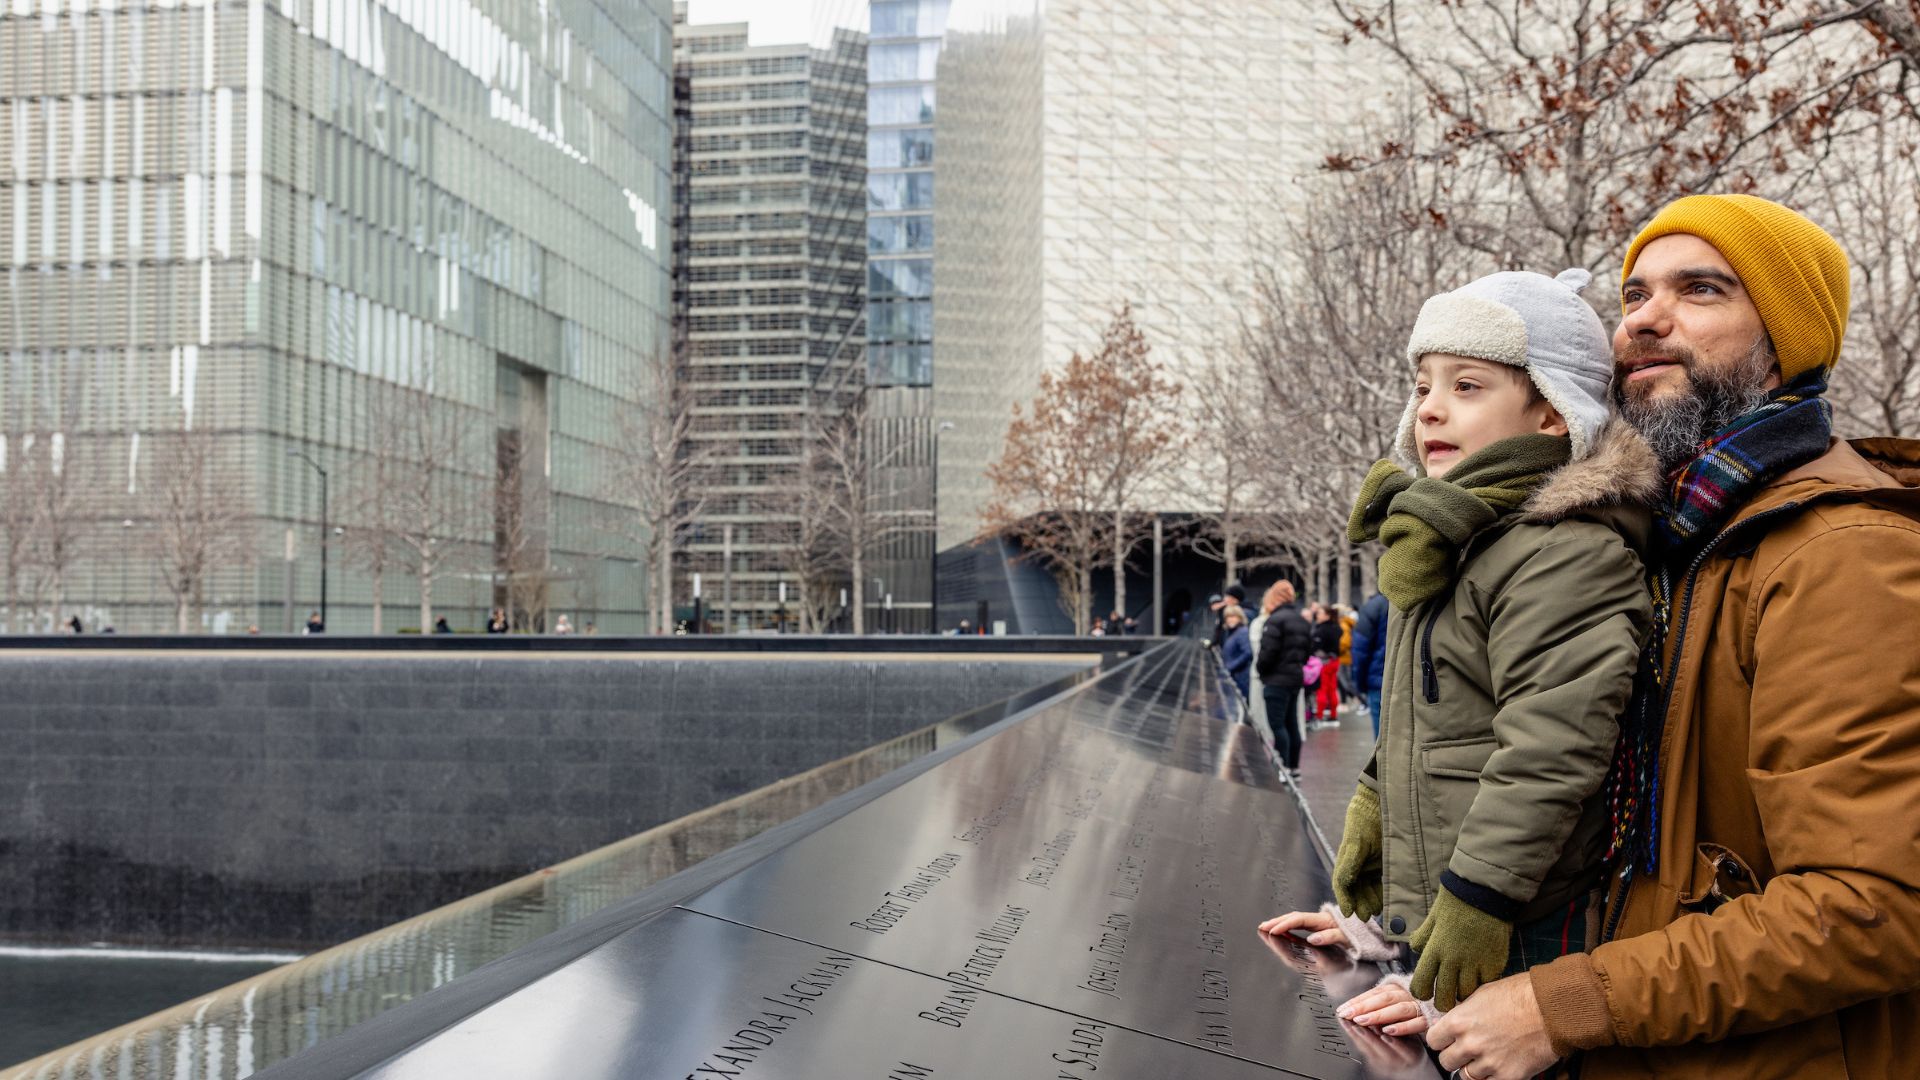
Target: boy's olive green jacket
(1503, 696)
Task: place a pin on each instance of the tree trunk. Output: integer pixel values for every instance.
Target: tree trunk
(1084, 579)
(859, 596)
(1120, 561)
(1230, 542)
(180, 606)
(426, 597)
(663, 588)
(379, 575)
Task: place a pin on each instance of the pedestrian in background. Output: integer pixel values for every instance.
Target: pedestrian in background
(1285, 644)
(1237, 652)
(1257, 703)
(1323, 708)
(1370, 653)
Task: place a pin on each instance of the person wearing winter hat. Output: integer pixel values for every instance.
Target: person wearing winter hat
(1766, 921)
(1513, 517)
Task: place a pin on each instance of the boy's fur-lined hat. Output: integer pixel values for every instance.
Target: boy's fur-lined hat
(1530, 321)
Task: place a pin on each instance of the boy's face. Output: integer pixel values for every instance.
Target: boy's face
(1462, 405)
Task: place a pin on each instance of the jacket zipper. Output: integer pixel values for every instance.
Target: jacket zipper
(1666, 692)
(1429, 678)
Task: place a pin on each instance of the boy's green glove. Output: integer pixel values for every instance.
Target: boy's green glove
(1461, 948)
(1356, 866)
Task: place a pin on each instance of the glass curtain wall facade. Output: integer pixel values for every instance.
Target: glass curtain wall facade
(775, 282)
(902, 65)
(389, 236)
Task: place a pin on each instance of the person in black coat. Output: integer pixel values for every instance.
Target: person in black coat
(1285, 644)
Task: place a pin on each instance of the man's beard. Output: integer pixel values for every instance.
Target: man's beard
(1675, 424)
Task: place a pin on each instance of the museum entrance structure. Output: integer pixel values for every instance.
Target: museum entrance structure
(1071, 889)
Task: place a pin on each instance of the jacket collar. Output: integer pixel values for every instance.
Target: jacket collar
(1621, 471)
(1885, 472)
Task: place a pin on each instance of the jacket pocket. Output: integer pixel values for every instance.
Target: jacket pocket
(1461, 759)
(1719, 875)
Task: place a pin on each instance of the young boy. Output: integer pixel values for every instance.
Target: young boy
(1512, 517)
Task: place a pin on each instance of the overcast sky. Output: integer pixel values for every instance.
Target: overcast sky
(781, 22)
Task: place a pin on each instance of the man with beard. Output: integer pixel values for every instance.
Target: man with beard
(1765, 917)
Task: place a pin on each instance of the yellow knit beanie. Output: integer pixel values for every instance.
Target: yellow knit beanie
(1795, 272)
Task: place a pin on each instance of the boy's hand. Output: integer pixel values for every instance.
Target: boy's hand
(1389, 1007)
(1313, 927)
(1461, 949)
(1356, 866)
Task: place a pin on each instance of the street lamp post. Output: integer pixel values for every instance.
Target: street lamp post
(324, 505)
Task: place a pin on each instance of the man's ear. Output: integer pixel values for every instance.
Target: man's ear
(1551, 422)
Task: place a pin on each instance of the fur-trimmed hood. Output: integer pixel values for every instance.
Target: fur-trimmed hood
(1621, 472)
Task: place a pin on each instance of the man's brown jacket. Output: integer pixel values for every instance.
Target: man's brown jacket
(1780, 935)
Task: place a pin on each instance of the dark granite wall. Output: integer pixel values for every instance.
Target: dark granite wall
(280, 800)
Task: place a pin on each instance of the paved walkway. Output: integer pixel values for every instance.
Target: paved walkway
(1329, 763)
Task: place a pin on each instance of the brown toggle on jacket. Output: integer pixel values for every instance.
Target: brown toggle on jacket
(1780, 935)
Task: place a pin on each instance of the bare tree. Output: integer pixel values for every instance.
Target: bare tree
(431, 501)
(842, 467)
(19, 511)
(519, 535)
(370, 535)
(61, 486)
(1334, 296)
(201, 525)
(1049, 484)
(655, 469)
(813, 554)
(1575, 122)
(1138, 438)
(1871, 197)
(1594, 114)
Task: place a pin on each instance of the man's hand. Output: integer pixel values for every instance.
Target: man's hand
(1497, 1034)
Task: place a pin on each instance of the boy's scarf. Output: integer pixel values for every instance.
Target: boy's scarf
(1792, 428)
(1425, 521)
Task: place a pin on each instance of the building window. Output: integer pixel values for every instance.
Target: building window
(909, 18)
(900, 191)
(900, 149)
(910, 279)
(890, 235)
(900, 105)
(906, 62)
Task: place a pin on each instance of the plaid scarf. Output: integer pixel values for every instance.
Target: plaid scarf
(1789, 430)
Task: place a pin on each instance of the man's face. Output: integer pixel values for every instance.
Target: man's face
(1691, 353)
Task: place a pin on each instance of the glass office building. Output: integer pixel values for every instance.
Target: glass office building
(775, 291)
(902, 65)
(902, 59)
(249, 231)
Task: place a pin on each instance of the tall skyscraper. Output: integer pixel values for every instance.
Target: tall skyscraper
(902, 64)
(257, 252)
(1094, 153)
(776, 291)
